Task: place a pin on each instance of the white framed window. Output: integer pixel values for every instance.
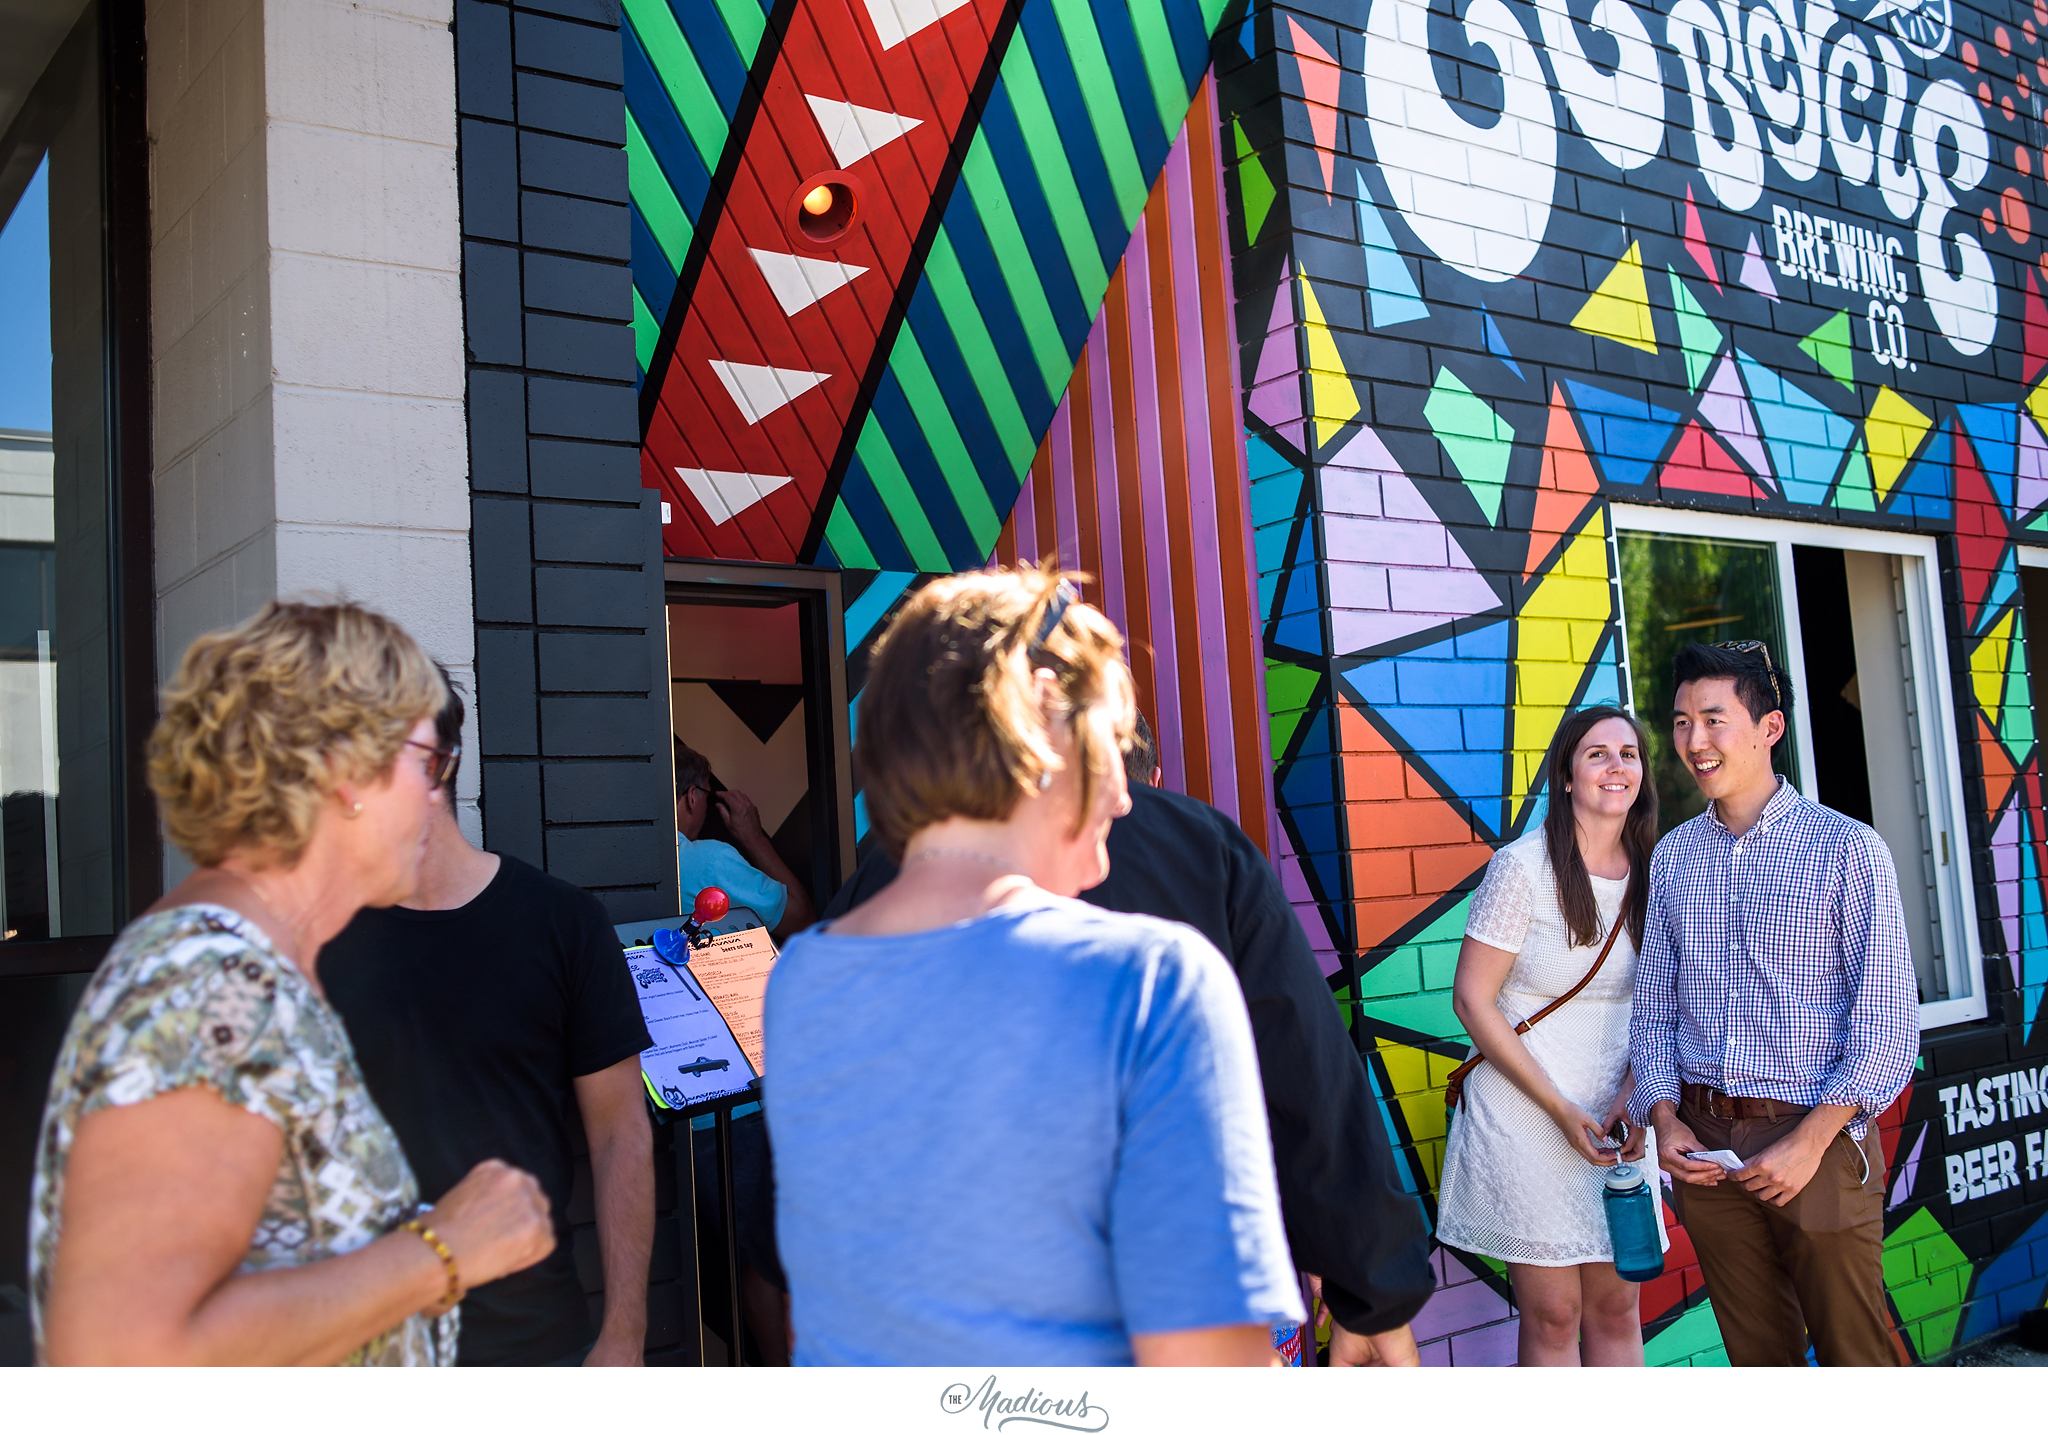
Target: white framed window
(1853, 616)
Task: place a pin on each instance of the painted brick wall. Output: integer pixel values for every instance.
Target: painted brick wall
(1465, 332)
(572, 664)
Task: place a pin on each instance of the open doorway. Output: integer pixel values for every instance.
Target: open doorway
(1853, 616)
(757, 683)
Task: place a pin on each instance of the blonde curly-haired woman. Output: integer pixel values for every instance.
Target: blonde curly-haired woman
(214, 1184)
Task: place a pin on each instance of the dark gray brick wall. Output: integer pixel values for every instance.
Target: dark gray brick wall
(571, 659)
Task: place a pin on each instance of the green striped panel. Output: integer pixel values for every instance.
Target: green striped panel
(681, 76)
(899, 498)
(1055, 172)
(1098, 93)
(970, 332)
(992, 202)
(1162, 64)
(654, 199)
(646, 331)
(844, 534)
(907, 362)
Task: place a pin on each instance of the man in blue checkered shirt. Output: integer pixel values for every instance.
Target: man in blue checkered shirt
(1776, 1014)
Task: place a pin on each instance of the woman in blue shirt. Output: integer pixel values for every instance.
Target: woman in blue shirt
(1011, 1128)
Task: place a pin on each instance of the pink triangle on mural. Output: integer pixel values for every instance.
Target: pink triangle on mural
(1696, 241)
(1373, 513)
(1276, 387)
(1755, 273)
(2033, 489)
(1726, 409)
(1320, 79)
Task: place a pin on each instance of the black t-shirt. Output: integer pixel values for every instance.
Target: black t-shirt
(471, 1026)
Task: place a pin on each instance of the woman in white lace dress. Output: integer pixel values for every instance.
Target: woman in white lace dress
(1525, 1167)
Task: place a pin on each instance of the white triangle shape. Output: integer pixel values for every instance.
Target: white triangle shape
(855, 131)
(799, 282)
(897, 20)
(759, 391)
(725, 494)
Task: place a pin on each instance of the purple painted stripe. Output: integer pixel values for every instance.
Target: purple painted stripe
(1065, 500)
(1213, 633)
(1102, 444)
(1025, 517)
(1151, 479)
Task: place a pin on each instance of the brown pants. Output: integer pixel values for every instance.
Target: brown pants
(1813, 1267)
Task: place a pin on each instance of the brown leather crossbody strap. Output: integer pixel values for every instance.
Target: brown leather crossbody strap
(1454, 1087)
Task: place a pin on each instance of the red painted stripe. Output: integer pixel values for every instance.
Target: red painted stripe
(830, 50)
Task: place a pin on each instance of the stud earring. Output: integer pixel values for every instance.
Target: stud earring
(1045, 782)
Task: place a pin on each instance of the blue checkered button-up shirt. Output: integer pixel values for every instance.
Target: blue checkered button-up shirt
(1775, 964)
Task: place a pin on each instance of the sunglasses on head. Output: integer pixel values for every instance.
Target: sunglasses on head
(1746, 646)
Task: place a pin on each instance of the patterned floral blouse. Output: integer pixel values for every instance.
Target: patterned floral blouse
(198, 996)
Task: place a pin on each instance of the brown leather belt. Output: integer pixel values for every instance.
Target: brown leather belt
(1740, 1108)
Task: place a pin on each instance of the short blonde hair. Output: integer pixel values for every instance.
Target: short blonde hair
(950, 721)
(264, 719)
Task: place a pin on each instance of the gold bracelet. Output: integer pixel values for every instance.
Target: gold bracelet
(440, 1248)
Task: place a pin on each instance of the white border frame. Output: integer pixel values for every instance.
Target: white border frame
(1927, 638)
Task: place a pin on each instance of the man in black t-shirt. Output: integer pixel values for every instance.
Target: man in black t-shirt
(478, 1012)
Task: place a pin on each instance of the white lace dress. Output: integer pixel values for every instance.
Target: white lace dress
(1512, 1187)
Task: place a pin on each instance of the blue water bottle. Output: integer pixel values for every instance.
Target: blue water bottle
(1632, 1225)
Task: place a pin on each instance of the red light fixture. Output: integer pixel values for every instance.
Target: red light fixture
(824, 209)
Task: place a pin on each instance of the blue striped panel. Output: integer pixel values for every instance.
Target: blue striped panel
(864, 612)
(927, 480)
(1077, 136)
(1133, 84)
(963, 400)
(716, 54)
(651, 274)
(1034, 216)
(1190, 39)
(998, 311)
(666, 137)
(872, 516)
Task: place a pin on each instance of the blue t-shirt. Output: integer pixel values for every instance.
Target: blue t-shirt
(719, 864)
(1017, 1140)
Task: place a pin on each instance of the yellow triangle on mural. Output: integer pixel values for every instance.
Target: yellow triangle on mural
(1987, 666)
(1557, 633)
(1893, 429)
(1330, 386)
(1620, 308)
(2037, 404)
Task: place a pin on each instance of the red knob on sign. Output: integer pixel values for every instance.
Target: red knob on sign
(712, 904)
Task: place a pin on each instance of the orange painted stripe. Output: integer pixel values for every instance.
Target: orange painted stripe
(1175, 478)
(1131, 525)
(1042, 504)
(1226, 445)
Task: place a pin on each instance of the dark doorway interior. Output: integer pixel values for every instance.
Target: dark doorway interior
(1834, 704)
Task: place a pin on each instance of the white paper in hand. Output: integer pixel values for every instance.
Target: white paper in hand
(1726, 1160)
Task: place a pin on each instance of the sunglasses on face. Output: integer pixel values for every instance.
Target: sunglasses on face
(442, 762)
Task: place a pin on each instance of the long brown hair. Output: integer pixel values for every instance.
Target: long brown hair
(1561, 832)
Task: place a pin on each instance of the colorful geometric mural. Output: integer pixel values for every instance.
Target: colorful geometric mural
(1770, 259)
(1488, 274)
(910, 224)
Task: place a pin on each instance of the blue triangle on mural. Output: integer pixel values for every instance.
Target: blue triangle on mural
(1604, 686)
(2003, 586)
(1447, 702)
(1395, 299)
(1806, 437)
(1299, 622)
(1928, 490)
(1275, 495)
(1497, 343)
(1307, 789)
(1245, 37)
(1625, 436)
(1994, 431)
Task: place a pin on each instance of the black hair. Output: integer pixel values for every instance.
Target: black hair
(1142, 755)
(1761, 684)
(693, 768)
(448, 724)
